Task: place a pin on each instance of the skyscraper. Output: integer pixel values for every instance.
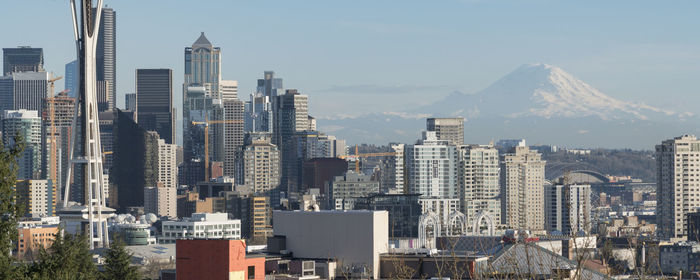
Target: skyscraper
(203, 66)
(27, 124)
(233, 136)
(228, 89)
(479, 182)
(450, 129)
(22, 59)
(155, 102)
(677, 186)
(292, 117)
(107, 54)
(392, 171)
(259, 114)
(38, 198)
(71, 78)
(24, 90)
(431, 167)
(568, 208)
(522, 189)
(130, 102)
(269, 85)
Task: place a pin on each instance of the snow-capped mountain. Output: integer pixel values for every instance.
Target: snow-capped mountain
(540, 102)
(545, 91)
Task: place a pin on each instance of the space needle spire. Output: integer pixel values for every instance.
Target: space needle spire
(89, 214)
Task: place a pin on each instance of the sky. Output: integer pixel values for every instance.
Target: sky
(358, 57)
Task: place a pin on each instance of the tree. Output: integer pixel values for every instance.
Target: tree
(117, 264)
(69, 257)
(9, 210)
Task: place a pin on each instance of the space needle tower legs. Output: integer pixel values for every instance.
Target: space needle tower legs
(89, 177)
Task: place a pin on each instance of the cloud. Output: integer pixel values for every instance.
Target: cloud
(583, 131)
(331, 128)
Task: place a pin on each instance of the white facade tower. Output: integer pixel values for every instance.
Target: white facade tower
(86, 154)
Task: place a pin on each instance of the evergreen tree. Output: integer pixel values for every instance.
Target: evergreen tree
(8, 207)
(117, 263)
(69, 257)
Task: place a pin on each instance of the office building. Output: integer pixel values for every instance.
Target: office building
(522, 189)
(203, 114)
(130, 102)
(233, 136)
(57, 126)
(354, 238)
(509, 144)
(259, 114)
(228, 89)
(27, 124)
(70, 78)
(255, 214)
(155, 102)
(261, 164)
(404, 212)
(161, 201)
(448, 129)
(431, 167)
(677, 188)
(24, 90)
(201, 226)
(38, 198)
(269, 85)
(22, 59)
(167, 164)
(693, 221)
(479, 177)
(203, 66)
(291, 117)
(106, 55)
(135, 165)
(217, 259)
(568, 209)
(318, 172)
(104, 96)
(351, 186)
(34, 237)
(392, 171)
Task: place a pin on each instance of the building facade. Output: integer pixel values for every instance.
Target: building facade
(155, 102)
(479, 188)
(106, 56)
(522, 189)
(38, 198)
(28, 125)
(22, 59)
(201, 225)
(676, 186)
(261, 164)
(431, 167)
(448, 129)
(568, 209)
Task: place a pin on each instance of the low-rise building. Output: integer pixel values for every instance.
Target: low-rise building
(35, 236)
(217, 259)
(201, 225)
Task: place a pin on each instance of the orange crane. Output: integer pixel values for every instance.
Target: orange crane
(357, 156)
(52, 120)
(206, 124)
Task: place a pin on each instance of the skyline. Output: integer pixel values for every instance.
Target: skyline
(340, 55)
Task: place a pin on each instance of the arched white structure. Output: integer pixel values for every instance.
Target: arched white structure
(428, 219)
(489, 224)
(456, 224)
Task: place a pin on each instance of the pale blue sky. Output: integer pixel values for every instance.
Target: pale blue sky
(355, 57)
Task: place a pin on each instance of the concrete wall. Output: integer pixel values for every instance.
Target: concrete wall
(352, 237)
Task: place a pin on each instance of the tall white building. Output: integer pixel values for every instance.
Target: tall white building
(568, 208)
(160, 201)
(522, 189)
(479, 187)
(678, 184)
(261, 164)
(228, 89)
(449, 129)
(431, 167)
(201, 225)
(167, 164)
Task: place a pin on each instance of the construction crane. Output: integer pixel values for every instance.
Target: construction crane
(206, 124)
(357, 156)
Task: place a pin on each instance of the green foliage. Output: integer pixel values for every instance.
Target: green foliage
(8, 208)
(68, 258)
(117, 264)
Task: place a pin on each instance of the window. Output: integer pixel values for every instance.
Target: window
(251, 272)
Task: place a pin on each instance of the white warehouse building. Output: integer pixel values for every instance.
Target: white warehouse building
(201, 225)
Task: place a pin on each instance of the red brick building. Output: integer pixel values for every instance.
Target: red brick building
(217, 259)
